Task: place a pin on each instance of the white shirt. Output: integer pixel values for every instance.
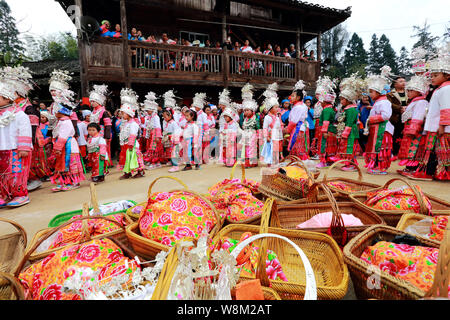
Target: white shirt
(190, 131)
(440, 100)
(383, 108)
(82, 127)
(276, 132)
(19, 127)
(171, 127)
(299, 113)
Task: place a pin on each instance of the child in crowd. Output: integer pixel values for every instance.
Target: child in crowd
(272, 132)
(171, 140)
(42, 161)
(97, 153)
(228, 137)
(298, 127)
(191, 140)
(154, 151)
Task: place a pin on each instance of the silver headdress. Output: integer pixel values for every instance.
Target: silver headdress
(169, 100)
(199, 100)
(99, 94)
(21, 78)
(150, 103)
(129, 101)
(379, 82)
(224, 98)
(441, 63)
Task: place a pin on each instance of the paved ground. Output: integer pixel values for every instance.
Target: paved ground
(45, 205)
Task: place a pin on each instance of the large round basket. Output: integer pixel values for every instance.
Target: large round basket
(289, 216)
(148, 248)
(354, 185)
(392, 217)
(118, 234)
(12, 248)
(330, 271)
(15, 289)
(389, 287)
(135, 211)
(409, 219)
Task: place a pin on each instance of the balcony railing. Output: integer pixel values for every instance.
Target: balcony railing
(180, 63)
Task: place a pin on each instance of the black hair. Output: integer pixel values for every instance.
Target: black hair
(207, 106)
(299, 94)
(94, 125)
(169, 112)
(193, 114)
(396, 79)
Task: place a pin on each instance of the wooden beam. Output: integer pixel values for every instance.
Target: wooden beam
(126, 48)
(82, 56)
(319, 47)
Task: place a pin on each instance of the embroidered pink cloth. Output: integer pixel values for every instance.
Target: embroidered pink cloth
(323, 220)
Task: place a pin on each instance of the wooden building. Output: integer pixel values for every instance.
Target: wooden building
(146, 66)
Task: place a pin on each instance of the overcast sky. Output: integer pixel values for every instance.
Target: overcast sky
(395, 18)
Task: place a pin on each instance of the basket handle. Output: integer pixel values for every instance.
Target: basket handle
(293, 159)
(164, 177)
(85, 233)
(15, 284)
(234, 169)
(94, 199)
(442, 273)
(311, 286)
(423, 208)
(19, 228)
(53, 231)
(360, 175)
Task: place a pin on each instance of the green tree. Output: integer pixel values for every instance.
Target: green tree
(425, 39)
(404, 62)
(58, 46)
(355, 56)
(333, 43)
(10, 44)
(388, 55)
(374, 55)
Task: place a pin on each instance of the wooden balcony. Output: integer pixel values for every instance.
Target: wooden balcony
(104, 60)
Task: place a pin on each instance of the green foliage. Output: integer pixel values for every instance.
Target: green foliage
(425, 39)
(404, 62)
(374, 55)
(58, 46)
(388, 55)
(355, 57)
(11, 47)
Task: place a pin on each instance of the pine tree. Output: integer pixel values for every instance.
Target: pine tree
(355, 56)
(425, 39)
(374, 55)
(388, 55)
(404, 62)
(333, 42)
(10, 45)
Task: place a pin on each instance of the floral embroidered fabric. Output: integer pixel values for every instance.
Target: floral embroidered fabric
(402, 199)
(44, 280)
(341, 186)
(173, 216)
(414, 264)
(237, 200)
(438, 227)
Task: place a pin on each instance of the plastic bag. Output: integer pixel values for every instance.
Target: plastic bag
(266, 153)
(420, 228)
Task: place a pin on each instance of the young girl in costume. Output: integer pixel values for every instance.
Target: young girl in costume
(154, 151)
(228, 138)
(130, 159)
(97, 153)
(297, 128)
(42, 161)
(250, 125)
(101, 116)
(413, 118)
(379, 145)
(191, 140)
(434, 153)
(327, 143)
(68, 167)
(347, 126)
(171, 140)
(272, 132)
(198, 104)
(15, 149)
(210, 135)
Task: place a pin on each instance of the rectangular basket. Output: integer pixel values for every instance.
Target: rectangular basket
(390, 287)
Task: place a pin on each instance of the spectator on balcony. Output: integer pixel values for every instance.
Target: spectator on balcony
(292, 51)
(104, 29)
(133, 34)
(247, 47)
(286, 53)
(139, 36)
(257, 50)
(269, 51)
(208, 44)
(217, 46)
(227, 44)
(278, 52)
(151, 39)
(311, 56)
(237, 46)
(117, 33)
(304, 56)
(165, 39)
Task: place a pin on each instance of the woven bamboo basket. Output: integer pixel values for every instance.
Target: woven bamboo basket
(284, 188)
(288, 216)
(12, 248)
(171, 264)
(330, 271)
(120, 241)
(291, 159)
(15, 291)
(135, 216)
(409, 219)
(392, 217)
(390, 287)
(118, 234)
(148, 248)
(356, 185)
(269, 294)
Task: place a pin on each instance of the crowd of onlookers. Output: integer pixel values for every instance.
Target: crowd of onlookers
(268, 49)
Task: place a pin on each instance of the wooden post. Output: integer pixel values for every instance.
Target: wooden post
(225, 67)
(82, 56)
(319, 47)
(126, 48)
(224, 28)
(298, 44)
